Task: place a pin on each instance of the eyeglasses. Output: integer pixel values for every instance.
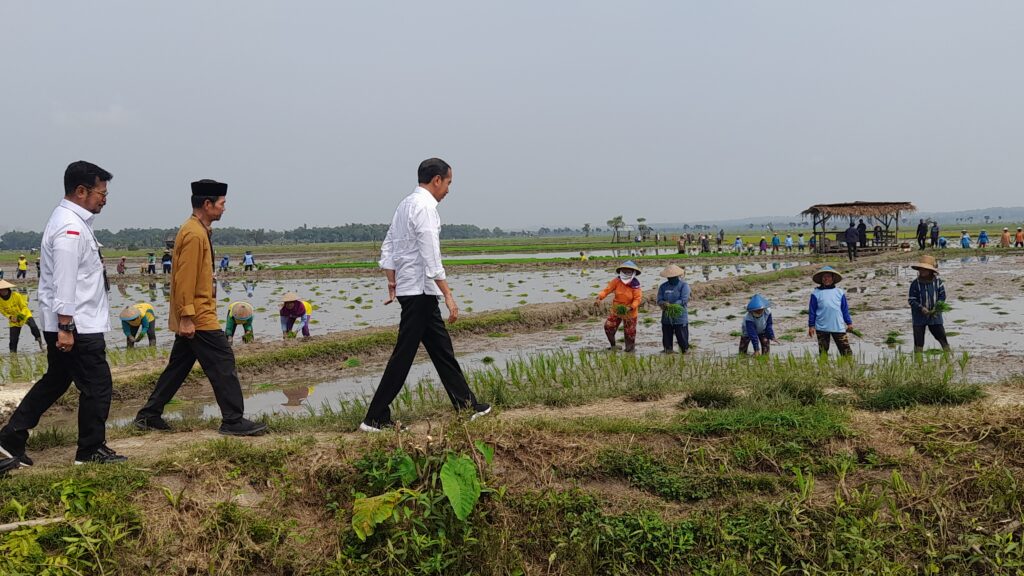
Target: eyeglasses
(93, 189)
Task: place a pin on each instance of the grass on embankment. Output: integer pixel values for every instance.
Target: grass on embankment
(787, 479)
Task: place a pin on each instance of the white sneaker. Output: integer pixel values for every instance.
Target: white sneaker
(482, 410)
(364, 427)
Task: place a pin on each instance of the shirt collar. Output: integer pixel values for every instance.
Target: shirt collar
(82, 213)
(433, 201)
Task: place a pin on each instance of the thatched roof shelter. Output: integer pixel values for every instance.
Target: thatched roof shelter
(859, 209)
(886, 215)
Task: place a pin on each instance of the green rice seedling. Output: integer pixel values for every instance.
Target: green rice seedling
(352, 362)
(893, 338)
(487, 360)
(787, 337)
(735, 334)
(573, 338)
(857, 333)
(674, 311)
(942, 306)
(621, 310)
(497, 335)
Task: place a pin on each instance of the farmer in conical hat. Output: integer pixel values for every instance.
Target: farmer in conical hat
(139, 320)
(239, 314)
(14, 306)
(673, 297)
(926, 293)
(625, 305)
(828, 314)
(757, 327)
(292, 309)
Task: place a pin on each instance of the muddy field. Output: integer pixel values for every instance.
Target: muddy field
(355, 301)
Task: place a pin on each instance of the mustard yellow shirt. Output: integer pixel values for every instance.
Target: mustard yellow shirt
(192, 290)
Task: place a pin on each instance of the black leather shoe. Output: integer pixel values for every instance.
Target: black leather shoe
(8, 464)
(6, 450)
(152, 423)
(102, 455)
(243, 427)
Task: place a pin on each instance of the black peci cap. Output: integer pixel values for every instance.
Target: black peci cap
(209, 188)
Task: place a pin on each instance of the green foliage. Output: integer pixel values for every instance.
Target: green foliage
(460, 484)
(674, 311)
(673, 482)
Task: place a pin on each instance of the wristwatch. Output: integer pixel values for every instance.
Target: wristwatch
(69, 327)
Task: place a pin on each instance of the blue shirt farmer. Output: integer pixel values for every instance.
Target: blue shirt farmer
(925, 295)
(828, 310)
(754, 327)
(678, 293)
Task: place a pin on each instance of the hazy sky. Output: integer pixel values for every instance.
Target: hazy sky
(551, 113)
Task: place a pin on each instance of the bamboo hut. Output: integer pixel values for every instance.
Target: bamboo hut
(884, 215)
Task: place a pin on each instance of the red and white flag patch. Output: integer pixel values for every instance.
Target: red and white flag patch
(73, 233)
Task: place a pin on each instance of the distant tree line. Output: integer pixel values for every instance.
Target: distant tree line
(142, 238)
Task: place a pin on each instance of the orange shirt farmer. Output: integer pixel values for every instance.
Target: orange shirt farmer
(628, 294)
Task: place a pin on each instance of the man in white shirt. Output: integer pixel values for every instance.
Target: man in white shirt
(411, 260)
(75, 315)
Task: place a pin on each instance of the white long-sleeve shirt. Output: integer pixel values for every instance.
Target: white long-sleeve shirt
(71, 273)
(412, 247)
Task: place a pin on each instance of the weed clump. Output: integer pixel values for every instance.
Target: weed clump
(711, 396)
(906, 394)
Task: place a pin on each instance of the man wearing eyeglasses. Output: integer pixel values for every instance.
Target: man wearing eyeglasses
(74, 315)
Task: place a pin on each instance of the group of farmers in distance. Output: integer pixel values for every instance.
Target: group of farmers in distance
(75, 315)
(828, 312)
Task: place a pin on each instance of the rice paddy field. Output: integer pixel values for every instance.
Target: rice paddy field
(593, 461)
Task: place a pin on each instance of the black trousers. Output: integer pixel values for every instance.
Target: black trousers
(211, 349)
(16, 333)
(851, 251)
(679, 331)
(920, 242)
(762, 341)
(20, 274)
(421, 322)
(937, 330)
(86, 366)
(842, 340)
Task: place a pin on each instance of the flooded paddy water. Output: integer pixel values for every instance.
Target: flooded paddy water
(984, 293)
(352, 303)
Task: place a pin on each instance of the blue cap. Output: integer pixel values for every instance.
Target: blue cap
(757, 302)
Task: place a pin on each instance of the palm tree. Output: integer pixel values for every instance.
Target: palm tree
(586, 229)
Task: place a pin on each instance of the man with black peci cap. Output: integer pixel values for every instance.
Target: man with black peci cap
(193, 319)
